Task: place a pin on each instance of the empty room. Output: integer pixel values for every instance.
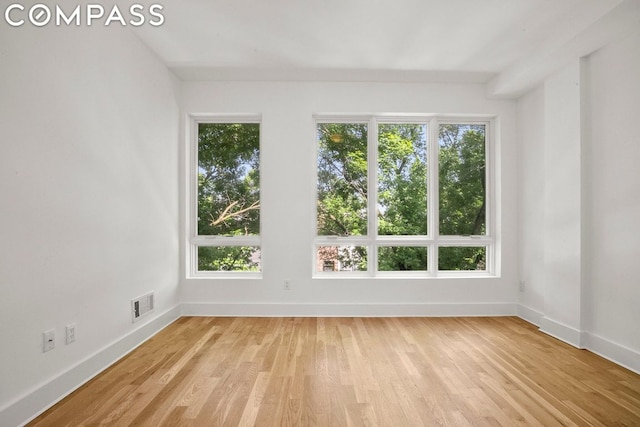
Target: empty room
(388, 213)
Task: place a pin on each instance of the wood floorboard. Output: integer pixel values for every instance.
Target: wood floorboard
(206, 371)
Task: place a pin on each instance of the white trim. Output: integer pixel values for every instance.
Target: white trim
(28, 406)
(347, 309)
(530, 315)
(433, 194)
(616, 353)
(193, 240)
(563, 332)
(372, 196)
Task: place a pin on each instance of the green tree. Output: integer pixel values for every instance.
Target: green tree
(401, 208)
(462, 193)
(342, 179)
(402, 179)
(342, 189)
(228, 192)
(402, 193)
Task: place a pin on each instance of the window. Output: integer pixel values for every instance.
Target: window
(225, 193)
(404, 196)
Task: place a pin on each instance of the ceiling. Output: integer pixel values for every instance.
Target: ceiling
(497, 42)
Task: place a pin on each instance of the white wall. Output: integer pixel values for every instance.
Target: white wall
(550, 204)
(580, 202)
(288, 191)
(88, 202)
(531, 195)
(562, 204)
(613, 299)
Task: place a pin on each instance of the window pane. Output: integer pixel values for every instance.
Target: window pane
(341, 258)
(462, 258)
(462, 179)
(229, 258)
(402, 179)
(342, 179)
(228, 179)
(402, 258)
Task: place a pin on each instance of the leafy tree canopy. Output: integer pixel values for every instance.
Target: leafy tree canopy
(228, 192)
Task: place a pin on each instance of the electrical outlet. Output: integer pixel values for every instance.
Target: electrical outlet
(48, 340)
(287, 285)
(71, 333)
(522, 285)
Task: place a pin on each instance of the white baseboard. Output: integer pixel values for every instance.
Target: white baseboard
(614, 352)
(347, 310)
(530, 315)
(562, 332)
(29, 406)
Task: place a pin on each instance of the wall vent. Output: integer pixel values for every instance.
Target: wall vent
(141, 306)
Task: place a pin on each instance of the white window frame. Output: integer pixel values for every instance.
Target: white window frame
(432, 241)
(194, 241)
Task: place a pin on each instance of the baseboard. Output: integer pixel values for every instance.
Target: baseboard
(562, 332)
(29, 406)
(530, 315)
(618, 354)
(347, 310)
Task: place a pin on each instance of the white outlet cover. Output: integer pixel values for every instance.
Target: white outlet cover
(71, 333)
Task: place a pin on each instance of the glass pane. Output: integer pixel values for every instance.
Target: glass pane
(342, 179)
(229, 258)
(402, 179)
(228, 179)
(462, 258)
(341, 258)
(462, 179)
(402, 258)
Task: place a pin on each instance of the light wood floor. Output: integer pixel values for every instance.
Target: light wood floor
(354, 371)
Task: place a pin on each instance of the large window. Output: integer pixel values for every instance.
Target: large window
(404, 194)
(225, 193)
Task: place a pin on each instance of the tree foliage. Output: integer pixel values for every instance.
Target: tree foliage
(342, 179)
(228, 192)
(462, 180)
(228, 258)
(401, 206)
(402, 179)
(462, 193)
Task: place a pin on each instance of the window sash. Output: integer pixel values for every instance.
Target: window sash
(432, 240)
(194, 240)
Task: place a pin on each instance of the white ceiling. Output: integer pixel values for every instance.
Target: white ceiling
(488, 41)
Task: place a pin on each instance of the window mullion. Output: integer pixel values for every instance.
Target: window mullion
(433, 199)
(489, 180)
(192, 199)
(372, 191)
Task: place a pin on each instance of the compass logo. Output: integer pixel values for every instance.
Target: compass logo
(40, 15)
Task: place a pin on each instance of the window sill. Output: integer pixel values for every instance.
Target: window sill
(224, 275)
(405, 276)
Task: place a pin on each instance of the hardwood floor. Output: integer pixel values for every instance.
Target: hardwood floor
(354, 371)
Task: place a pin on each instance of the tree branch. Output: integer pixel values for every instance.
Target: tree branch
(227, 214)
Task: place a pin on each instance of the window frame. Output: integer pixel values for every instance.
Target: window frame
(432, 240)
(194, 240)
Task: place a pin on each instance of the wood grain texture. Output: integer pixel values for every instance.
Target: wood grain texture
(204, 371)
